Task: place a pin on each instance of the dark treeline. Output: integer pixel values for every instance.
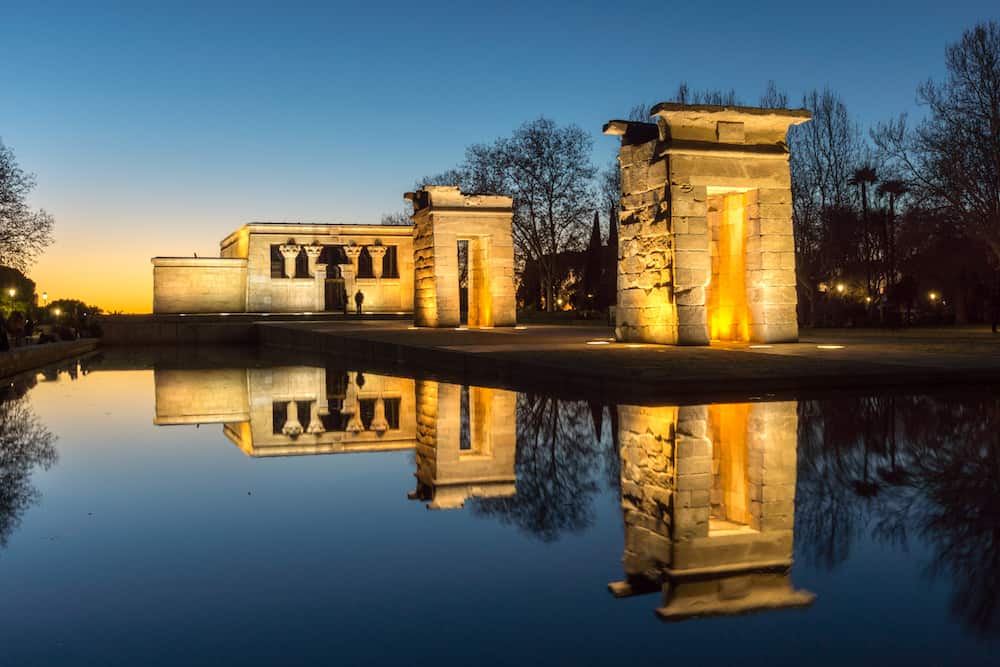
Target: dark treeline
(898, 223)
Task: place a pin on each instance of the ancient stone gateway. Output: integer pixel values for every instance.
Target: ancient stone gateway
(442, 217)
(706, 249)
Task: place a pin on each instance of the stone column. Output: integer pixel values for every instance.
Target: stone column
(290, 252)
(312, 254)
(319, 275)
(353, 252)
(378, 253)
(379, 423)
(348, 272)
(292, 427)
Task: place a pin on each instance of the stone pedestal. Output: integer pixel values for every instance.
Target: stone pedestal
(705, 235)
(443, 216)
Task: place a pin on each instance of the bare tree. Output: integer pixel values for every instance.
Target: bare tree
(24, 233)
(397, 219)
(953, 157)
(773, 98)
(824, 154)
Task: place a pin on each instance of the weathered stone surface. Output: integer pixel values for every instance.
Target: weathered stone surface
(443, 216)
(706, 208)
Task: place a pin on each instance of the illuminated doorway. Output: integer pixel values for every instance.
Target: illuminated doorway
(728, 312)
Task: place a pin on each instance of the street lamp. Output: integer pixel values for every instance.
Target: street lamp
(45, 298)
(840, 288)
(57, 312)
(932, 296)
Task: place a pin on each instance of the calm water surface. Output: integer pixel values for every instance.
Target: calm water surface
(309, 515)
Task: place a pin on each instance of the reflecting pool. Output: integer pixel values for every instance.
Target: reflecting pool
(259, 513)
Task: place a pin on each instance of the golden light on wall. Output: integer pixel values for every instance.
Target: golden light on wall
(728, 311)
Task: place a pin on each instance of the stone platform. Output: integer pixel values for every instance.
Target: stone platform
(584, 362)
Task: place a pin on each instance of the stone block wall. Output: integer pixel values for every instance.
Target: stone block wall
(291, 295)
(706, 487)
(200, 396)
(442, 217)
(647, 437)
(447, 475)
(705, 175)
(199, 285)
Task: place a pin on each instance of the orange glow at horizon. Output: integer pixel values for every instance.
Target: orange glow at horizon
(114, 274)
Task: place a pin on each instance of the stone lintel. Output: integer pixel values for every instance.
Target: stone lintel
(631, 132)
(450, 197)
(726, 124)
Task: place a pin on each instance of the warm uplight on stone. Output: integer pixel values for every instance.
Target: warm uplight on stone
(461, 457)
(708, 496)
(291, 268)
(443, 216)
(705, 242)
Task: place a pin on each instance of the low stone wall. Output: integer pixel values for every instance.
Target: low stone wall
(22, 359)
(199, 285)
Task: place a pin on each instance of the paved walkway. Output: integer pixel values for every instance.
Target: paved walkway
(585, 360)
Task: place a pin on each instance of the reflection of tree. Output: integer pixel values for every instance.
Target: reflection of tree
(936, 464)
(24, 444)
(557, 459)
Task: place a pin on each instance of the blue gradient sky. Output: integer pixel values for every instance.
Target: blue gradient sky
(157, 130)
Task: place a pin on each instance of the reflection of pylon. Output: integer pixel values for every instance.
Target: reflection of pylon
(350, 403)
(292, 427)
(315, 423)
(379, 423)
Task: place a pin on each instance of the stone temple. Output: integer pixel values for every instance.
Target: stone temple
(706, 250)
(458, 242)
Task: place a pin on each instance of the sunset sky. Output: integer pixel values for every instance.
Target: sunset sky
(157, 130)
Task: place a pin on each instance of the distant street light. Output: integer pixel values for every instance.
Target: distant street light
(12, 292)
(57, 312)
(932, 296)
(45, 298)
(840, 288)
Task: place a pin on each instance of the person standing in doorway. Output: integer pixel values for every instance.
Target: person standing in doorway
(359, 299)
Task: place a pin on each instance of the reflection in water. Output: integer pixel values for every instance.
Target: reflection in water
(904, 467)
(465, 443)
(25, 444)
(708, 496)
(556, 460)
(711, 495)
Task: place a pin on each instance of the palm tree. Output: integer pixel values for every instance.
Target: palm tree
(893, 189)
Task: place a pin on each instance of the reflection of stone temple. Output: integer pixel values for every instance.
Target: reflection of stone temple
(708, 496)
(464, 437)
(466, 440)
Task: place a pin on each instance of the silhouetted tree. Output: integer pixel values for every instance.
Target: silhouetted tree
(556, 465)
(594, 266)
(25, 444)
(24, 233)
(952, 158)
